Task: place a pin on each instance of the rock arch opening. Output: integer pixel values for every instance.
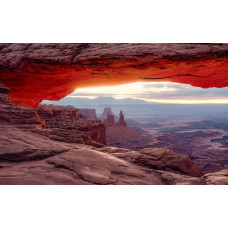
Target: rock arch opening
(36, 72)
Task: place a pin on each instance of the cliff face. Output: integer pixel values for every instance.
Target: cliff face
(17, 115)
(36, 72)
(89, 113)
(70, 119)
(59, 123)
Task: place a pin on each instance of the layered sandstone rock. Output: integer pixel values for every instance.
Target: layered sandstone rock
(17, 115)
(30, 158)
(36, 72)
(67, 119)
(75, 128)
(158, 158)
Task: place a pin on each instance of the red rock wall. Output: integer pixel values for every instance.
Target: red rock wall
(69, 118)
(35, 72)
(16, 115)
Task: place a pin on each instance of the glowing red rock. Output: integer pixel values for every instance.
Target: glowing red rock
(35, 72)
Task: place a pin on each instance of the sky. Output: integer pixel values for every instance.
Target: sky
(164, 92)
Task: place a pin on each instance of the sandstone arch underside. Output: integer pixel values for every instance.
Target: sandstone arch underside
(35, 72)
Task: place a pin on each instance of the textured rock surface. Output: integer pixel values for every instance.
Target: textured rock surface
(70, 119)
(75, 128)
(219, 178)
(29, 158)
(16, 114)
(157, 158)
(35, 72)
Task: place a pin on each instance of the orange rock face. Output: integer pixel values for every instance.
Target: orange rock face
(35, 72)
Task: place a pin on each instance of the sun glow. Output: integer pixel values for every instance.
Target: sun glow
(161, 92)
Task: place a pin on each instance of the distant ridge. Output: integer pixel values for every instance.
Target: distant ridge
(77, 101)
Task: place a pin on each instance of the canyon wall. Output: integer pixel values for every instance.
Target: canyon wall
(70, 118)
(57, 122)
(13, 114)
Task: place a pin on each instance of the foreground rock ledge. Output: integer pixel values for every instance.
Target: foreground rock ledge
(35, 72)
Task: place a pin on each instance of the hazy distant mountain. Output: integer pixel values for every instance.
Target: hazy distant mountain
(78, 102)
(144, 111)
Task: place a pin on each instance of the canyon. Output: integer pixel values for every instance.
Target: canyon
(46, 144)
(38, 151)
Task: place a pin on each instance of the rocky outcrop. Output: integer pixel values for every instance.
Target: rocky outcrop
(70, 120)
(109, 118)
(28, 157)
(109, 121)
(158, 158)
(121, 121)
(75, 128)
(88, 113)
(36, 72)
(105, 113)
(118, 134)
(17, 115)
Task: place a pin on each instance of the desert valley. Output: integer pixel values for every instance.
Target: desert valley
(105, 140)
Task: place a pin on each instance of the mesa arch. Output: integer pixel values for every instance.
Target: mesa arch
(35, 72)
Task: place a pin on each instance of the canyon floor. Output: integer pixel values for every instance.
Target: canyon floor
(205, 145)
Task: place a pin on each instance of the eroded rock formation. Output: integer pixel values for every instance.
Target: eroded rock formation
(69, 119)
(109, 122)
(121, 121)
(35, 72)
(17, 115)
(118, 134)
(30, 154)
